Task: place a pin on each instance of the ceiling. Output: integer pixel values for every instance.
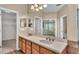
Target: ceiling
(52, 8)
(5, 12)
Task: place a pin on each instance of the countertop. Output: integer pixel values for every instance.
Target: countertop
(56, 46)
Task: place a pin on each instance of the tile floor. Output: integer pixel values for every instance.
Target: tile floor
(8, 46)
(15, 52)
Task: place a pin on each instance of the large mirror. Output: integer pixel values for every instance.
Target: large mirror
(49, 27)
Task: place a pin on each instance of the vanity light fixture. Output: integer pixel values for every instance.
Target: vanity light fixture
(37, 7)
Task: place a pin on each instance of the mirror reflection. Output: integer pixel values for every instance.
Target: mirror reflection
(49, 27)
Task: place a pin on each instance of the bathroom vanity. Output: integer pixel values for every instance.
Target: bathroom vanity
(36, 45)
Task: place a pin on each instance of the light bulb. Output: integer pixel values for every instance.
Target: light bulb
(36, 5)
(32, 7)
(37, 9)
(45, 5)
(40, 7)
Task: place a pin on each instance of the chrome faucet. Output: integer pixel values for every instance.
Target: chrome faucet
(49, 39)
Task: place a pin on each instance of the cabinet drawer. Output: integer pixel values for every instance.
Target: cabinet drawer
(23, 47)
(23, 50)
(28, 46)
(34, 51)
(35, 46)
(23, 44)
(28, 42)
(28, 51)
(45, 51)
(23, 40)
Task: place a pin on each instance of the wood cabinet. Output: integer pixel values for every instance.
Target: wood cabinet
(45, 51)
(22, 44)
(72, 47)
(35, 48)
(29, 47)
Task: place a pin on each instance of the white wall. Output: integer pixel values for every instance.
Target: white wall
(8, 26)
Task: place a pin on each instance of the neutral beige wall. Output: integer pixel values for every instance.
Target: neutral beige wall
(72, 22)
(32, 15)
(43, 16)
(52, 15)
(70, 11)
(21, 8)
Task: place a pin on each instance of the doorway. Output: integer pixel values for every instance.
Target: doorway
(8, 30)
(37, 25)
(63, 27)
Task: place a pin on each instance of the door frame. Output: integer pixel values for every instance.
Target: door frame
(17, 25)
(61, 26)
(40, 20)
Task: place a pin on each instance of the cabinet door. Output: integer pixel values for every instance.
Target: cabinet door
(28, 47)
(45, 51)
(23, 47)
(34, 51)
(35, 48)
(28, 42)
(23, 44)
(28, 51)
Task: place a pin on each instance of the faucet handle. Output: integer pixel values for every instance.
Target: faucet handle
(46, 38)
(52, 39)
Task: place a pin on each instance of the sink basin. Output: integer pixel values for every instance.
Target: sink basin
(46, 41)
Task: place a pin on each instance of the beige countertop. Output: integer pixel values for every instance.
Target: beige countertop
(56, 46)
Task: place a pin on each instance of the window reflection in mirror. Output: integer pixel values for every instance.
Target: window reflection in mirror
(29, 22)
(23, 22)
(49, 27)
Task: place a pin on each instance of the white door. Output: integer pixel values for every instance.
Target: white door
(0, 31)
(37, 26)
